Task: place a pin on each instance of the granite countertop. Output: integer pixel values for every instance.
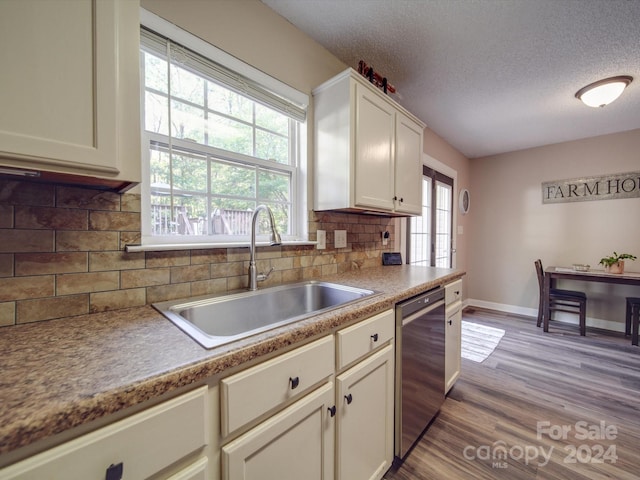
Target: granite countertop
(59, 374)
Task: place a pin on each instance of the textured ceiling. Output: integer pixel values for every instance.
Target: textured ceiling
(489, 76)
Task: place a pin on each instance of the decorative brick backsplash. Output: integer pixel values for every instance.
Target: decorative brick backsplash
(62, 254)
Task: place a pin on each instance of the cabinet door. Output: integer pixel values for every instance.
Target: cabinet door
(144, 444)
(374, 134)
(297, 443)
(364, 397)
(453, 347)
(60, 87)
(408, 174)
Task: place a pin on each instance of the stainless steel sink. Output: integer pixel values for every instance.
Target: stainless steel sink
(215, 321)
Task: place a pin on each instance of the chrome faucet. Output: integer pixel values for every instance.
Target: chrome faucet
(254, 276)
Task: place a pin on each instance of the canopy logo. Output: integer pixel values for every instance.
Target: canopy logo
(621, 185)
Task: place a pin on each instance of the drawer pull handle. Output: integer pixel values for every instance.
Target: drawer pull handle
(114, 472)
(374, 337)
(457, 292)
(294, 381)
(332, 411)
(349, 399)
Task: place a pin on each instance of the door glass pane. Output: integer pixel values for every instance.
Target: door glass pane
(443, 225)
(420, 230)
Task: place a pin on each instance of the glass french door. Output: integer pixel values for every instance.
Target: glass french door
(429, 239)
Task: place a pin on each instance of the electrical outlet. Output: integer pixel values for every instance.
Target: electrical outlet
(340, 238)
(321, 237)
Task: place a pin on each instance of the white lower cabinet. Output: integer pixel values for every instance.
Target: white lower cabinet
(453, 334)
(364, 398)
(292, 428)
(295, 444)
(137, 447)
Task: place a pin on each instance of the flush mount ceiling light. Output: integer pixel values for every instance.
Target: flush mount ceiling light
(603, 92)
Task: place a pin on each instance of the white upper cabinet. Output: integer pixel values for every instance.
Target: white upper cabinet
(368, 149)
(70, 87)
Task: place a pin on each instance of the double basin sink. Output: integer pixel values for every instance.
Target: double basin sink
(215, 321)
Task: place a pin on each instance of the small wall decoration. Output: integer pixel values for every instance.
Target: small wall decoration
(607, 187)
(464, 201)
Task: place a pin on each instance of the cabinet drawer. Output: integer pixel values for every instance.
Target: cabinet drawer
(453, 292)
(144, 443)
(453, 308)
(255, 391)
(358, 340)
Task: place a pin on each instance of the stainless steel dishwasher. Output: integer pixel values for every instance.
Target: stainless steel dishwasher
(420, 330)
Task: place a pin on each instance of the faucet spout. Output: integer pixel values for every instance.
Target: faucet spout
(274, 240)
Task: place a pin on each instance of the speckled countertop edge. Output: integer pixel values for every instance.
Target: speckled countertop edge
(64, 373)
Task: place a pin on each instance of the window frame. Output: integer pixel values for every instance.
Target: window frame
(297, 148)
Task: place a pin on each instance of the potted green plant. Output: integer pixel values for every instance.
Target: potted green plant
(615, 263)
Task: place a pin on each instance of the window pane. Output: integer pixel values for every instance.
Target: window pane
(161, 216)
(272, 147)
(189, 173)
(233, 180)
(187, 122)
(159, 169)
(271, 120)
(225, 101)
(274, 186)
(190, 214)
(281, 214)
(230, 135)
(156, 114)
(155, 72)
(187, 86)
(231, 217)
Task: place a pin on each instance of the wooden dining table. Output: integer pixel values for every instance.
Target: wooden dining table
(551, 274)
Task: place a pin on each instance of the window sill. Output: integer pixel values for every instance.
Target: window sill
(201, 246)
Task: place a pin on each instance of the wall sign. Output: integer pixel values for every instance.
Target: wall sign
(620, 185)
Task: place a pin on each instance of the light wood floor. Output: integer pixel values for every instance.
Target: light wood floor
(559, 378)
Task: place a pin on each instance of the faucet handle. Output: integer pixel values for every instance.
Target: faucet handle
(263, 276)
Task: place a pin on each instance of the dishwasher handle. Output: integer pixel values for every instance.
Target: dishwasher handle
(420, 313)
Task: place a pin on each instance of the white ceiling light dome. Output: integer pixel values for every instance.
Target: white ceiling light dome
(603, 92)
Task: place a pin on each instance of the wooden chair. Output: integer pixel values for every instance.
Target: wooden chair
(569, 301)
(632, 317)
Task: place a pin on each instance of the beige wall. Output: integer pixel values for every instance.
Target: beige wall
(511, 227)
(437, 148)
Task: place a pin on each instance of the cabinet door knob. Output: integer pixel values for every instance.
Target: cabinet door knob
(395, 198)
(450, 322)
(332, 411)
(374, 337)
(294, 381)
(114, 472)
(349, 399)
(401, 199)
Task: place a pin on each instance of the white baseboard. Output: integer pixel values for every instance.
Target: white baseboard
(533, 312)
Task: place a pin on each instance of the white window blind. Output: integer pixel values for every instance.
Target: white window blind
(245, 86)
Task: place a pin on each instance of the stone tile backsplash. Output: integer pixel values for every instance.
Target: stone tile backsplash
(62, 254)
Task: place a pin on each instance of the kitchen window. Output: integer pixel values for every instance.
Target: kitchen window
(216, 144)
